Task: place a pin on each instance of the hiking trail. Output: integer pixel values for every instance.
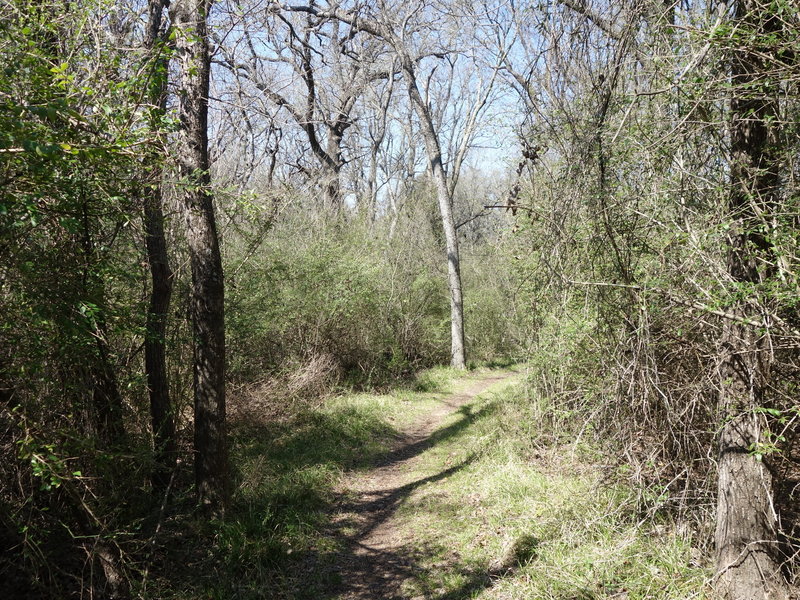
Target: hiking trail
(379, 555)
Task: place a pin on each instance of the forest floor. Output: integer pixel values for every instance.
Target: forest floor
(475, 498)
(378, 559)
(450, 486)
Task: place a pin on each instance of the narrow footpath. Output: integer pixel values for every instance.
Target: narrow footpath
(379, 556)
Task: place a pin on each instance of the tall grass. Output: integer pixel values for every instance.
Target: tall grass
(532, 515)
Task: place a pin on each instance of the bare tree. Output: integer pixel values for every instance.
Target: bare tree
(444, 195)
(397, 27)
(316, 70)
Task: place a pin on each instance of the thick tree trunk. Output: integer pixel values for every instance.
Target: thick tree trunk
(211, 469)
(746, 532)
(331, 160)
(155, 359)
(457, 348)
(331, 189)
(747, 563)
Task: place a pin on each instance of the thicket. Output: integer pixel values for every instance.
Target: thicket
(631, 251)
(315, 303)
(642, 257)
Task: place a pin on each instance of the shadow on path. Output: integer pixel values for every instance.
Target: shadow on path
(377, 559)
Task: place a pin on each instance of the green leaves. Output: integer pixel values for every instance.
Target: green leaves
(45, 463)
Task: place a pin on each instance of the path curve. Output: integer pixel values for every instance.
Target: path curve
(378, 559)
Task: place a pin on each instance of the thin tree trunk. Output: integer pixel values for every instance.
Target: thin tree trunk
(107, 405)
(377, 140)
(371, 195)
(161, 412)
(211, 469)
(747, 561)
(106, 398)
(457, 349)
(155, 359)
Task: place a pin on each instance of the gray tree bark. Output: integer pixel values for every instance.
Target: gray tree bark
(434, 152)
(747, 562)
(207, 303)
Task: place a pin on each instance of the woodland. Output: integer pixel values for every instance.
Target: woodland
(245, 243)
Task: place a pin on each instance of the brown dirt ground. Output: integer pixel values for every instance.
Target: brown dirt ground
(378, 556)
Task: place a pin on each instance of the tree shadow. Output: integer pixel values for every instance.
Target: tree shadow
(380, 570)
(276, 540)
(373, 571)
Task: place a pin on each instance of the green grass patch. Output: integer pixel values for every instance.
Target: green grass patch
(275, 535)
(524, 520)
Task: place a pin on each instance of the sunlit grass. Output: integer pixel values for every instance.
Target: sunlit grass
(507, 512)
(524, 521)
(286, 473)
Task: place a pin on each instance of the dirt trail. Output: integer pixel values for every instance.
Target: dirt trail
(379, 556)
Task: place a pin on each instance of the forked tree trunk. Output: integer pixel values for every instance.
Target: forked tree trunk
(207, 303)
(434, 152)
(155, 360)
(747, 563)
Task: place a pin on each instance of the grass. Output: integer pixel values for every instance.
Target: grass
(285, 474)
(523, 520)
(499, 512)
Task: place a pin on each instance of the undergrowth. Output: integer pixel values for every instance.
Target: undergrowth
(285, 474)
(530, 516)
(501, 510)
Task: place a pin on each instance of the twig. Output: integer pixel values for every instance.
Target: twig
(152, 541)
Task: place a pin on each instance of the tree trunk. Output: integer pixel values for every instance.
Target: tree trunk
(746, 532)
(457, 350)
(747, 563)
(207, 303)
(155, 360)
(331, 161)
(107, 406)
(106, 399)
(331, 190)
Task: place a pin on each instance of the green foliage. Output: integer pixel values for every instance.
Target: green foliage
(626, 257)
(495, 312)
(342, 295)
(69, 298)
